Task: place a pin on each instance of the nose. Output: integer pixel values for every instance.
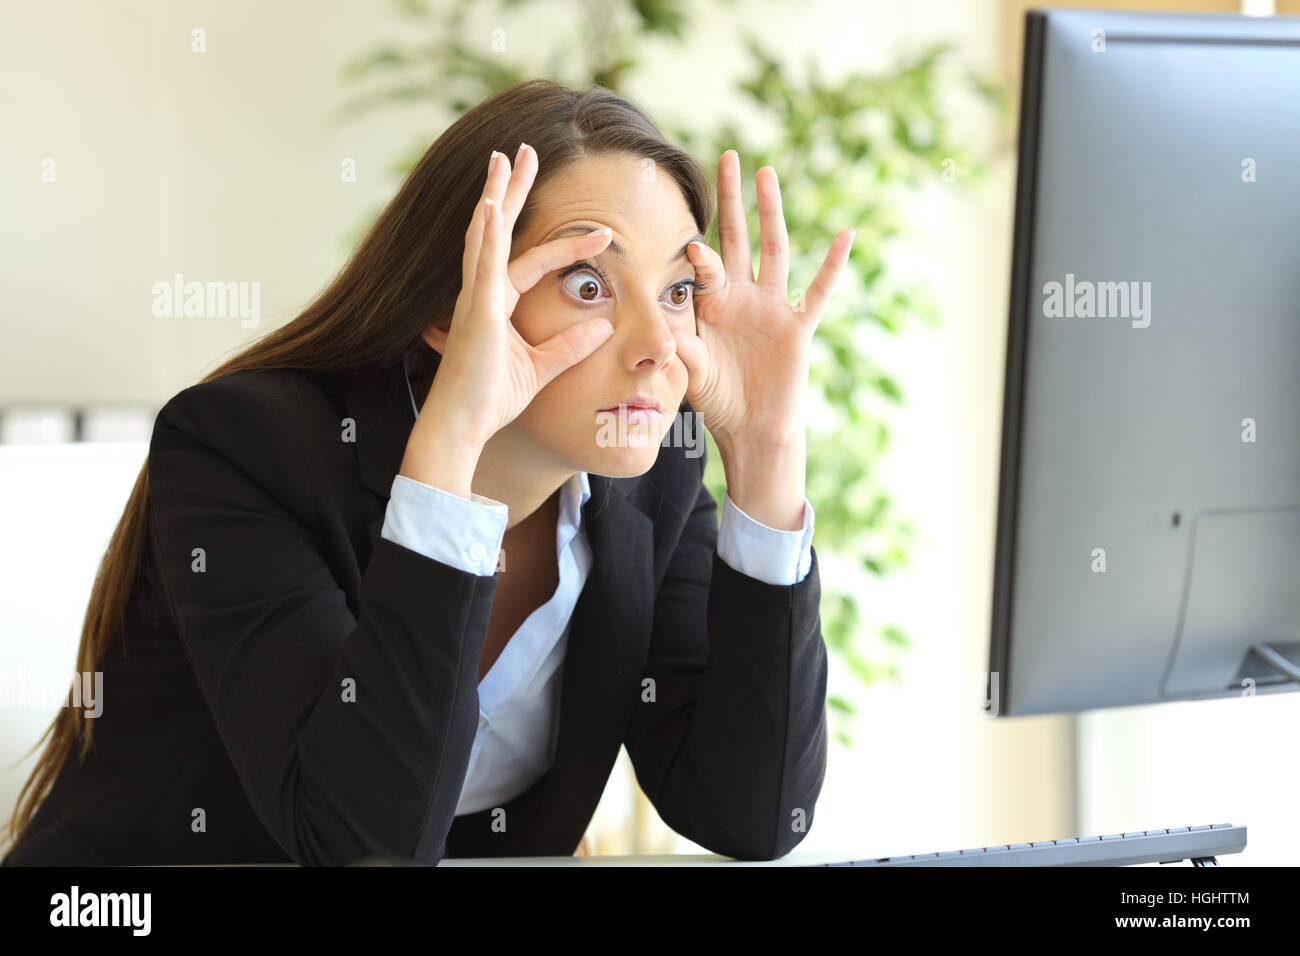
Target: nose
(647, 342)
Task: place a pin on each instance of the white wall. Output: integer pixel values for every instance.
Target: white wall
(59, 504)
(217, 165)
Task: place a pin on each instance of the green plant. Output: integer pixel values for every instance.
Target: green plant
(847, 152)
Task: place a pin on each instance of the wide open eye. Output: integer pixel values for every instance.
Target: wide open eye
(586, 282)
(681, 293)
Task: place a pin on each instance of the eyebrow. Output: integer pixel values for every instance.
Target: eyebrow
(619, 252)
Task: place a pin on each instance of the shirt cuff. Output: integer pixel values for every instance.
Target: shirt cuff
(767, 554)
(464, 533)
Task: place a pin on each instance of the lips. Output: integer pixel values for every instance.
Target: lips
(637, 402)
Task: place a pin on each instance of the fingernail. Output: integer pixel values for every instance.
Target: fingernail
(492, 161)
(520, 152)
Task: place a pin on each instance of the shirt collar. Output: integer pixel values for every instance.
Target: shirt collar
(575, 494)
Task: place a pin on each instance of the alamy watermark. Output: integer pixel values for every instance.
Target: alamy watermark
(208, 300)
(50, 688)
(1102, 300)
(75, 908)
(625, 430)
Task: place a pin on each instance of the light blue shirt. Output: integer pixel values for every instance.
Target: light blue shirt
(519, 696)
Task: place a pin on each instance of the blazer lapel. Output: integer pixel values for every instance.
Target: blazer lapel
(608, 639)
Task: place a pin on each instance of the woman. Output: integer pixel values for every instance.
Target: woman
(358, 609)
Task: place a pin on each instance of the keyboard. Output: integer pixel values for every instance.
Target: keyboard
(1199, 844)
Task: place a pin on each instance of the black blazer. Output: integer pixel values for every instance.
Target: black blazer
(225, 736)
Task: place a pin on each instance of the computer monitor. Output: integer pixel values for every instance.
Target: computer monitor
(1148, 529)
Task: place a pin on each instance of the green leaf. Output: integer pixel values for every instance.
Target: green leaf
(840, 704)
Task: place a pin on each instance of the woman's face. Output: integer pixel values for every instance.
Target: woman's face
(644, 297)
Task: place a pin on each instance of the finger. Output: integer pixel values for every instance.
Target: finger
(774, 244)
(489, 297)
(567, 348)
(733, 232)
(695, 356)
(819, 293)
(528, 268)
(474, 234)
(709, 270)
(522, 175)
(497, 185)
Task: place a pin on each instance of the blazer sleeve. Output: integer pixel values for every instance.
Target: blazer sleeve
(351, 735)
(732, 748)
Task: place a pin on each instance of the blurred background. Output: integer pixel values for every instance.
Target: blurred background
(150, 144)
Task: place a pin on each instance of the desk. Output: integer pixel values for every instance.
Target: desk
(667, 859)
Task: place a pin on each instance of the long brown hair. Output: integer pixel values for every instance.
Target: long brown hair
(403, 277)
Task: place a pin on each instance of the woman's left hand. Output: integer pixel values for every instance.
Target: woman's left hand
(748, 361)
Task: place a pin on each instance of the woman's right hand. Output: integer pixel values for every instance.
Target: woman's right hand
(488, 374)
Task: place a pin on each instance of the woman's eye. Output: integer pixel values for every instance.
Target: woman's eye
(583, 284)
(586, 285)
